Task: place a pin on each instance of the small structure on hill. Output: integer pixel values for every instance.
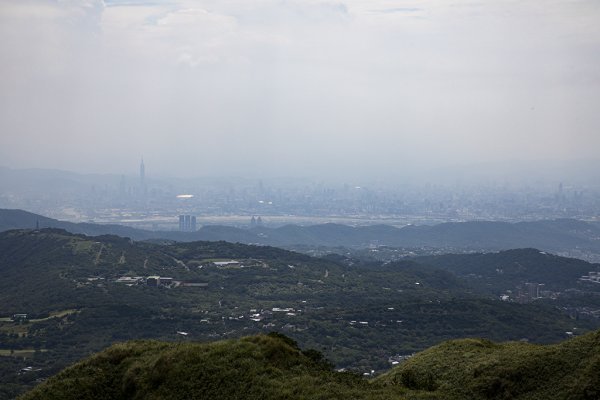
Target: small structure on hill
(19, 317)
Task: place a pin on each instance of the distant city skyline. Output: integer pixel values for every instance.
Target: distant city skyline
(118, 198)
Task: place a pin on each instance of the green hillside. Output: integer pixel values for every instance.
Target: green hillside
(360, 315)
(273, 367)
(504, 269)
(258, 367)
(481, 369)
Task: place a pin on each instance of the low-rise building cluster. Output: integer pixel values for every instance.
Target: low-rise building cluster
(157, 281)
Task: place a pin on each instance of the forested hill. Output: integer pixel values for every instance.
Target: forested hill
(273, 367)
(505, 269)
(64, 296)
(57, 266)
(554, 236)
(481, 369)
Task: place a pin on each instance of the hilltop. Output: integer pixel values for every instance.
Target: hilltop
(503, 270)
(273, 367)
(259, 367)
(481, 369)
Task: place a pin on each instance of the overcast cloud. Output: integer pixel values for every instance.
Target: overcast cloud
(263, 88)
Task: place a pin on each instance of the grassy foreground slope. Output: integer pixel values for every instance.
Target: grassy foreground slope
(481, 369)
(273, 367)
(256, 367)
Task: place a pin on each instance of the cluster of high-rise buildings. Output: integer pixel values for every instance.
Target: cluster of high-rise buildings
(187, 223)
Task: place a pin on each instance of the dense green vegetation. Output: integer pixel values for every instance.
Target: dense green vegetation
(502, 270)
(359, 314)
(259, 367)
(273, 367)
(481, 369)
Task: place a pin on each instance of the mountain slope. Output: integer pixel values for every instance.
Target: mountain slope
(480, 369)
(506, 269)
(273, 367)
(358, 315)
(260, 367)
(20, 219)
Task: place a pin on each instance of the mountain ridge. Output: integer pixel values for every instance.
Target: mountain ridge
(559, 236)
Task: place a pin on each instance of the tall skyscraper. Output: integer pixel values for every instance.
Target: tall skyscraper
(143, 187)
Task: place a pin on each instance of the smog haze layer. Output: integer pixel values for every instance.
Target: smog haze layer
(297, 88)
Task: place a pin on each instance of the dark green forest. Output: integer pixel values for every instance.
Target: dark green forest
(361, 314)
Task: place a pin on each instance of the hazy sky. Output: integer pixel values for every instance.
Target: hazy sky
(262, 88)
